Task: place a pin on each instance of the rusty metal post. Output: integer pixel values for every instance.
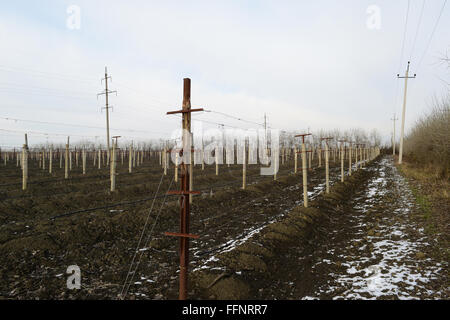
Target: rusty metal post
(185, 190)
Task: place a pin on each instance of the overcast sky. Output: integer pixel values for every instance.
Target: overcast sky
(316, 64)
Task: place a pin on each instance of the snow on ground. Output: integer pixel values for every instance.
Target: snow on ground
(391, 268)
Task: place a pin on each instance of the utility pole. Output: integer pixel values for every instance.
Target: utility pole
(185, 189)
(406, 77)
(393, 135)
(107, 107)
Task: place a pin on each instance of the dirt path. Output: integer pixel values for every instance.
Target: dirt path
(376, 249)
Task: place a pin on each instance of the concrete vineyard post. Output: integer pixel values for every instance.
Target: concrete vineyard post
(275, 160)
(361, 160)
(84, 160)
(130, 160)
(350, 159)
(99, 159)
(342, 162)
(203, 158)
(165, 161)
(310, 160)
(319, 154)
(244, 167)
(216, 151)
(24, 167)
(66, 162)
(176, 166)
(50, 161)
(305, 178)
(113, 166)
(191, 170)
(327, 169)
(295, 159)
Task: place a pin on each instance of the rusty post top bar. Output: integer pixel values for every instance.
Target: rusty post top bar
(185, 111)
(303, 136)
(183, 193)
(181, 150)
(181, 235)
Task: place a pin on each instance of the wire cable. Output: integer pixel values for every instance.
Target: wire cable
(432, 34)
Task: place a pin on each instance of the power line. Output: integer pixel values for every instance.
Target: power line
(417, 29)
(78, 125)
(46, 74)
(234, 117)
(404, 36)
(432, 34)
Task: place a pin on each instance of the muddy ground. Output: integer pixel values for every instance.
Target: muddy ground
(35, 250)
(374, 249)
(365, 240)
(371, 249)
